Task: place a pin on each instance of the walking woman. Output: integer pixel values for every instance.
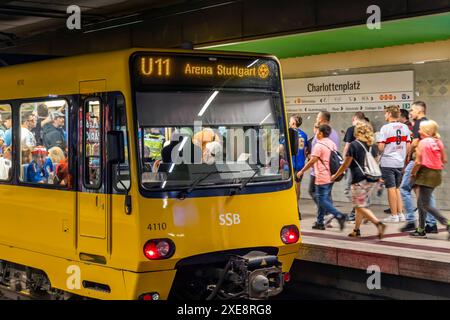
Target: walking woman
(361, 186)
(427, 173)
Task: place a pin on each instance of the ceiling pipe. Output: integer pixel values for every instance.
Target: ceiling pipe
(147, 17)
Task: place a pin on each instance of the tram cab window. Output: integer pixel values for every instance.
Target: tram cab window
(221, 138)
(44, 143)
(5, 142)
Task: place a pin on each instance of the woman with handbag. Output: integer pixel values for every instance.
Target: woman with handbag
(361, 185)
(426, 174)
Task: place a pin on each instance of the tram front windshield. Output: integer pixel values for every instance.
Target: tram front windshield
(208, 121)
(220, 137)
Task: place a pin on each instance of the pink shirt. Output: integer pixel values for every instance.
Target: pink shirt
(432, 153)
(322, 167)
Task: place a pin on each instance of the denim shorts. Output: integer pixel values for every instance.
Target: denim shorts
(392, 177)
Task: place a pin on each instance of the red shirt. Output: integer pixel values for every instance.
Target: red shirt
(431, 151)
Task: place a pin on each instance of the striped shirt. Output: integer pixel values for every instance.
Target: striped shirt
(395, 136)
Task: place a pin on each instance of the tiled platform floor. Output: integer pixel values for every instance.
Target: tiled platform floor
(396, 253)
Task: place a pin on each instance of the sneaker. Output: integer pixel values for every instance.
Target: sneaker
(402, 217)
(318, 226)
(381, 229)
(341, 221)
(351, 217)
(388, 211)
(355, 233)
(392, 219)
(431, 229)
(410, 226)
(418, 234)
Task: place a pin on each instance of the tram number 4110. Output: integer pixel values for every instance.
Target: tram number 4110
(157, 226)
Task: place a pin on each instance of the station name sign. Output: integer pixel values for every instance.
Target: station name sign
(350, 92)
(334, 87)
(183, 70)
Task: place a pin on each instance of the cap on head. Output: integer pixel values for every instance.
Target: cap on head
(39, 150)
(56, 114)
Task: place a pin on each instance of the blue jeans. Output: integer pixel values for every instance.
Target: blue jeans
(406, 192)
(324, 202)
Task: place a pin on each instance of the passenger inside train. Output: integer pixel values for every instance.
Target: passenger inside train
(178, 148)
(43, 143)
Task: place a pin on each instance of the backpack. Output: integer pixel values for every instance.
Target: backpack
(335, 161)
(371, 170)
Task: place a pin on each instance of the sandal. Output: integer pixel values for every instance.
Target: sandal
(355, 233)
(381, 229)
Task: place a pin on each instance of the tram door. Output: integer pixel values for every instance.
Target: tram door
(93, 201)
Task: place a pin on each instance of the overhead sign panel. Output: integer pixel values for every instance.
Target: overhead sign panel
(350, 93)
(167, 70)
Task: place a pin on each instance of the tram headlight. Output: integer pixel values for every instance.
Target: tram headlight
(289, 234)
(159, 249)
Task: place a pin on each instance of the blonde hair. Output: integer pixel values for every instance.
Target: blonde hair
(364, 132)
(56, 154)
(394, 111)
(430, 128)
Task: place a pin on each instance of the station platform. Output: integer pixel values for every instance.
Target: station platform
(396, 254)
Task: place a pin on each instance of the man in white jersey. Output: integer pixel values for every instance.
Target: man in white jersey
(394, 144)
(27, 138)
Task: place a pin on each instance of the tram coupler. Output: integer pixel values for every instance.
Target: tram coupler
(259, 275)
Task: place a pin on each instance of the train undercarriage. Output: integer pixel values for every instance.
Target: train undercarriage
(18, 282)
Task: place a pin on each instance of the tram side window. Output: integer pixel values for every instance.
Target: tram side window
(5, 142)
(122, 176)
(92, 144)
(44, 142)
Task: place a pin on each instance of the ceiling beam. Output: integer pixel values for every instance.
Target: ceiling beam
(42, 13)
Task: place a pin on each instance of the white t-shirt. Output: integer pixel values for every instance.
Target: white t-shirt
(4, 168)
(395, 136)
(27, 138)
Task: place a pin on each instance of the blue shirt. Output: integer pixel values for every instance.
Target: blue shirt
(36, 174)
(48, 167)
(298, 161)
(7, 137)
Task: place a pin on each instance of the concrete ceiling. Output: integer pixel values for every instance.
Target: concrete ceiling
(26, 18)
(38, 27)
(397, 32)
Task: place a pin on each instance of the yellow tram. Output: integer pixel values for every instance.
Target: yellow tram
(145, 174)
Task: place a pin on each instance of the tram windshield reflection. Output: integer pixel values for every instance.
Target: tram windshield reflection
(224, 136)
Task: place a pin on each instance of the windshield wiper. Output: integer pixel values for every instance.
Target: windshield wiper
(243, 184)
(183, 193)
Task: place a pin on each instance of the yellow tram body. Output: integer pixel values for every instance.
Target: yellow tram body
(56, 230)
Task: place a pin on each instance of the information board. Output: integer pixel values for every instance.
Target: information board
(350, 93)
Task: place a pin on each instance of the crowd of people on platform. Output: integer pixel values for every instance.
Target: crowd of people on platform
(406, 155)
(43, 146)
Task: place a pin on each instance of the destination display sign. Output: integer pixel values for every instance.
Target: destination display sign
(209, 71)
